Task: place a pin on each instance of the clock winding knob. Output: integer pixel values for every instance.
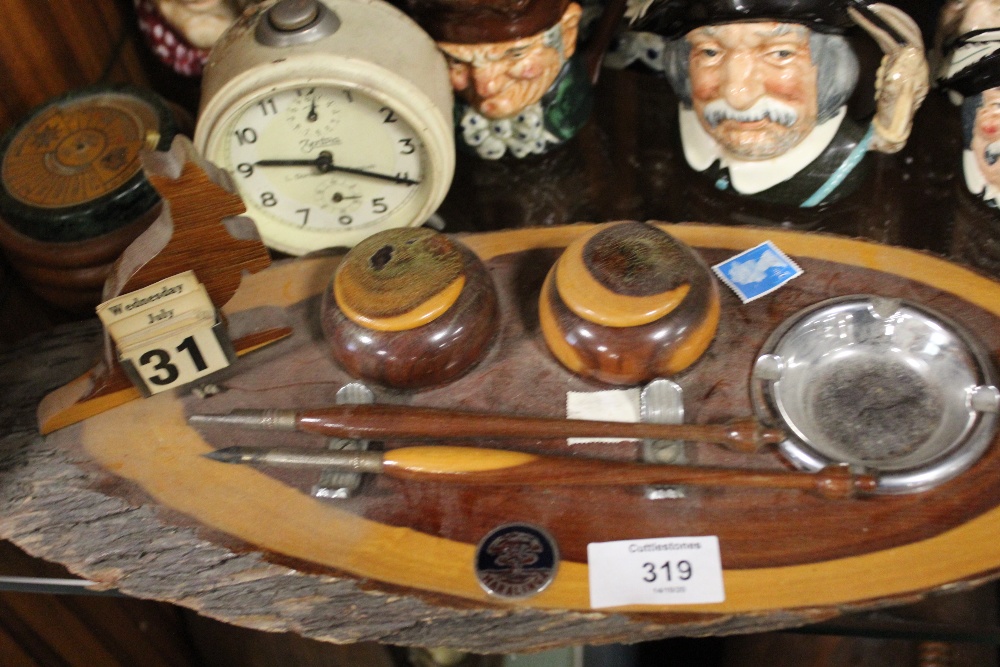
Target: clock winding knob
(289, 15)
(627, 303)
(410, 308)
(291, 22)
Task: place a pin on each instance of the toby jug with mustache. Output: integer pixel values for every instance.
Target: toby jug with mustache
(763, 88)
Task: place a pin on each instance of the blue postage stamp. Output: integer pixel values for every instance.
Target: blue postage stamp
(757, 271)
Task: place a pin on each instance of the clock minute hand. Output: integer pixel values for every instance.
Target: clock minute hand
(325, 165)
(371, 174)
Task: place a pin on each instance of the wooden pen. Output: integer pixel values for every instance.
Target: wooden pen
(474, 466)
(398, 422)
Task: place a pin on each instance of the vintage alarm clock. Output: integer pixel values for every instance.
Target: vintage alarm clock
(72, 192)
(332, 116)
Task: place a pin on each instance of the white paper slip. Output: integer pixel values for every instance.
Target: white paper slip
(190, 321)
(158, 293)
(611, 405)
(150, 321)
(661, 571)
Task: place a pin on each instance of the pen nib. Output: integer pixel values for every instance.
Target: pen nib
(232, 455)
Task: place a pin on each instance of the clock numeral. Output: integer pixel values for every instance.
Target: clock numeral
(345, 220)
(378, 205)
(268, 199)
(390, 115)
(403, 176)
(246, 136)
(349, 96)
(268, 107)
(245, 168)
(408, 147)
(305, 215)
(308, 91)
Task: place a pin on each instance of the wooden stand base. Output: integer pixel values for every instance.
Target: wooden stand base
(126, 497)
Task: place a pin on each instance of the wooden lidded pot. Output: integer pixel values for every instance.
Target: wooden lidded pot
(73, 194)
(627, 303)
(410, 308)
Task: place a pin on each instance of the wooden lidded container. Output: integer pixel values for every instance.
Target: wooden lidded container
(410, 308)
(72, 192)
(627, 303)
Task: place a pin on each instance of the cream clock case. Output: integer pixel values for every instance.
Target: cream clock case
(332, 116)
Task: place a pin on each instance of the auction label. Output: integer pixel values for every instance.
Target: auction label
(669, 570)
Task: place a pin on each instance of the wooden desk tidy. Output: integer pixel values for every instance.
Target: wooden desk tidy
(261, 551)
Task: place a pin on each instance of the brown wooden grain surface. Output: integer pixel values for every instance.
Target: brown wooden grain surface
(524, 379)
(389, 422)
(848, 558)
(477, 466)
(35, 66)
(50, 48)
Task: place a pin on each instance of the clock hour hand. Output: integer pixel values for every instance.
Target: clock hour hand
(287, 163)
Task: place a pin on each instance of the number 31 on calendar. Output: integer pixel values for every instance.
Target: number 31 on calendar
(177, 359)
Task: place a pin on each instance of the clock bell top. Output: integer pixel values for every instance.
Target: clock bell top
(367, 35)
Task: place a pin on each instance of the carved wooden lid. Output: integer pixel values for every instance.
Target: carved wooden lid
(70, 171)
(484, 21)
(399, 279)
(624, 275)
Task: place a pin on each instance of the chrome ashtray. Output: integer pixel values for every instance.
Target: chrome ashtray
(881, 384)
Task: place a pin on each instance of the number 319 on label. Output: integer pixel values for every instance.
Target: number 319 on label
(177, 359)
(670, 570)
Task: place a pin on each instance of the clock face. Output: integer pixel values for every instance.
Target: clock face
(323, 165)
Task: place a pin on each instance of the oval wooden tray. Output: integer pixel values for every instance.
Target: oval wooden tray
(789, 557)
